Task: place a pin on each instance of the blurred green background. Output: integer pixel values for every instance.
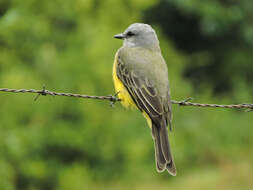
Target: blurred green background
(59, 143)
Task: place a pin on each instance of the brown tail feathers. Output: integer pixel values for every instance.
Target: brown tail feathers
(164, 159)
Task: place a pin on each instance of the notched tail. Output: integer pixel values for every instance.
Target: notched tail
(164, 158)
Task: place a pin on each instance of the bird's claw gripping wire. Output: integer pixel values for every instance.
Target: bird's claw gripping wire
(114, 99)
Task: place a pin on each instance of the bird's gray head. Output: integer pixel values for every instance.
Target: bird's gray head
(140, 35)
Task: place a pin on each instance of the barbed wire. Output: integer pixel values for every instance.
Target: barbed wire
(113, 98)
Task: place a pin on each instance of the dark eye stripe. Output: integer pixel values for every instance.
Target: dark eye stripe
(130, 33)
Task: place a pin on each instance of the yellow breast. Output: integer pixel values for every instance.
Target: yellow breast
(125, 97)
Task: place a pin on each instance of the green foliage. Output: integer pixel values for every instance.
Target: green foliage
(215, 35)
(66, 143)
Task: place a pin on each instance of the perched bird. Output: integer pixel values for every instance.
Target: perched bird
(140, 77)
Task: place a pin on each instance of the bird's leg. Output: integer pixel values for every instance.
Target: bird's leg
(114, 99)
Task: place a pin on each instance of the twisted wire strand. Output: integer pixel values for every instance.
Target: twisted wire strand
(113, 98)
(51, 93)
(232, 106)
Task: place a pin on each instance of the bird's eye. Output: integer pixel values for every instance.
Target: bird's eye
(130, 33)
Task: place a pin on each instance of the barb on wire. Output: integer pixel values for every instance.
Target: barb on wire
(42, 92)
(45, 92)
(113, 98)
(249, 107)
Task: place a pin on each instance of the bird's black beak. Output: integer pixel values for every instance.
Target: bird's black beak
(119, 36)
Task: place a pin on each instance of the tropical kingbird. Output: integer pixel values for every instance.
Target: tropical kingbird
(140, 77)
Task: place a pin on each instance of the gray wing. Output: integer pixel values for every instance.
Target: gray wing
(144, 93)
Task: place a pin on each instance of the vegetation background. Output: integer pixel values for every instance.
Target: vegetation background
(62, 143)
